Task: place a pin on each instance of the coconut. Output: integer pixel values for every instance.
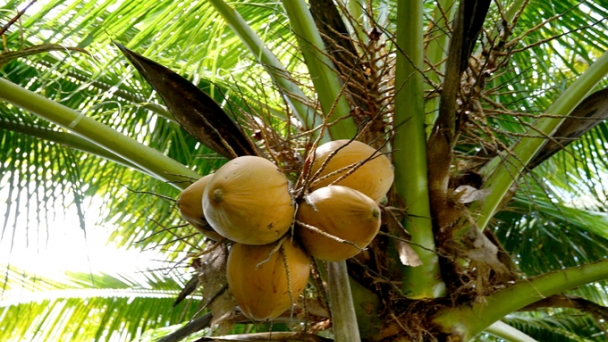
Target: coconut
(258, 279)
(248, 201)
(341, 212)
(190, 205)
(373, 178)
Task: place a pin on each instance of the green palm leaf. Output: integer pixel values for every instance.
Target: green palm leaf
(559, 325)
(81, 306)
(557, 218)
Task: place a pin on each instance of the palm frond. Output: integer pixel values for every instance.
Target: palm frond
(89, 306)
(557, 218)
(529, 228)
(560, 325)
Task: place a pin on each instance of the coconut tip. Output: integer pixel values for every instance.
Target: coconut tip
(218, 195)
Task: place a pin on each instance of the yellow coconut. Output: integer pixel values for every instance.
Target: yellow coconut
(373, 178)
(264, 292)
(248, 201)
(342, 212)
(190, 204)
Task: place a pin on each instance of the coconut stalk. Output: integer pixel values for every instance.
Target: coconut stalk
(146, 158)
(472, 318)
(366, 306)
(343, 318)
(280, 76)
(504, 170)
(356, 10)
(328, 87)
(516, 6)
(436, 52)
(409, 153)
(507, 332)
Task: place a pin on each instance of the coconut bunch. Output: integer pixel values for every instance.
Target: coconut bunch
(333, 216)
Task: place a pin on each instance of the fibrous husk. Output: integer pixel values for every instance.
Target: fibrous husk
(190, 205)
(373, 172)
(261, 284)
(248, 201)
(341, 212)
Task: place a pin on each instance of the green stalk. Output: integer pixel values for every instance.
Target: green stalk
(367, 305)
(328, 88)
(436, 52)
(367, 309)
(471, 319)
(355, 9)
(343, 317)
(325, 79)
(293, 94)
(409, 153)
(502, 171)
(508, 333)
(513, 9)
(509, 15)
(67, 139)
(146, 158)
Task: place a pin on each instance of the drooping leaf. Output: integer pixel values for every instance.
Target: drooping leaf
(195, 111)
(589, 113)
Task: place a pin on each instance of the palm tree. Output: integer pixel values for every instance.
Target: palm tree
(487, 235)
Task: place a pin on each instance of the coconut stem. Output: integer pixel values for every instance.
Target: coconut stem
(344, 320)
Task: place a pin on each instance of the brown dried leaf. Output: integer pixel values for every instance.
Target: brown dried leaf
(195, 111)
(467, 194)
(483, 252)
(407, 256)
(595, 106)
